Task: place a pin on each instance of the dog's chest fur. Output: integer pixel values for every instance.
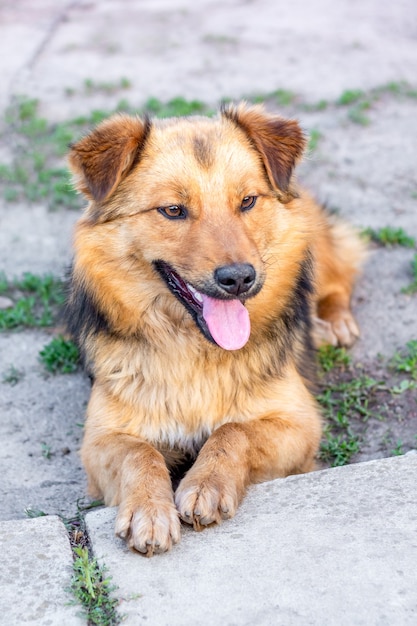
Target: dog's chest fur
(175, 398)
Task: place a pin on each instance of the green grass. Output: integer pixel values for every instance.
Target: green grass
(321, 105)
(32, 513)
(405, 361)
(330, 357)
(338, 449)
(279, 97)
(91, 86)
(92, 589)
(283, 97)
(389, 236)
(90, 586)
(342, 398)
(346, 399)
(38, 172)
(37, 300)
(350, 96)
(175, 107)
(357, 113)
(12, 376)
(358, 102)
(349, 401)
(341, 402)
(314, 139)
(46, 451)
(60, 356)
(398, 450)
(403, 386)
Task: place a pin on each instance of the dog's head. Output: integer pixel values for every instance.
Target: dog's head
(196, 200)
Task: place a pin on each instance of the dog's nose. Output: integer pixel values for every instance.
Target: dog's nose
(236, 278)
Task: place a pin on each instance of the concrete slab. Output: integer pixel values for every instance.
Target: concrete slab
(334, 547)
(41, 417)
(36, 568)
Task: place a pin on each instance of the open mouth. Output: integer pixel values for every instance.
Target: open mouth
(222, 321)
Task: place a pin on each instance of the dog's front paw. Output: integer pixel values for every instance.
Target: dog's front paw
(204, 501)
(150, 529)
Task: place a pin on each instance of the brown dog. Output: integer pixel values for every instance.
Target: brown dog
(199, 267)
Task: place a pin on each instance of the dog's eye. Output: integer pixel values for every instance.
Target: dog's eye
(248, 202)
(173, 212)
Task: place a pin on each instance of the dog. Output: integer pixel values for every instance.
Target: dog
(201, 274)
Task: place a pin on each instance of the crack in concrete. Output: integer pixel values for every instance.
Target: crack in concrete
(28, 66)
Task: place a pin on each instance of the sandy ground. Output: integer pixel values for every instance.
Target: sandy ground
(210, 50)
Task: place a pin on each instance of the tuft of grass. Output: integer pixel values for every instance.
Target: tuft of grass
(32, 513)
(92, 589)
(350, 96)
(12, 376)
(92, 86)
(175, 107)
(321, 105)
(60, 356)
(46, 451)
(37, 300)
(359, 102)
(330, 357)
(339, 449)
(405, 361)
(389, 236)
(404, 385)
(314, 138)
(399, 449)
(283, 97)
(357, 113)
(4, 283)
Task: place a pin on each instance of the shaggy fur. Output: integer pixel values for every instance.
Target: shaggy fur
(173, 204)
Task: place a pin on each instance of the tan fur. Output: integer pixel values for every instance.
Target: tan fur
(161, 389)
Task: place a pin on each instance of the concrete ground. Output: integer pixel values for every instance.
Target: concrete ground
(210, 50)
(319, 549)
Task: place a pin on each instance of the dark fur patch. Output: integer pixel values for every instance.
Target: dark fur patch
(147, 125)
(297, 317)
(203, 152)
(291, 332)
(82, 316)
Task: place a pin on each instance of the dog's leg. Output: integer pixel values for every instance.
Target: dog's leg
(339, 254)
(238, 454)
(131, 473)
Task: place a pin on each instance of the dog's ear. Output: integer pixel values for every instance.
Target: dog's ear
(100, 160)
(280, 142)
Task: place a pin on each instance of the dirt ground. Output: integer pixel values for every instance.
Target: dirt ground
(361, 163)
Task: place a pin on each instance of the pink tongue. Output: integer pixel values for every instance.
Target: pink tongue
(228, 322)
